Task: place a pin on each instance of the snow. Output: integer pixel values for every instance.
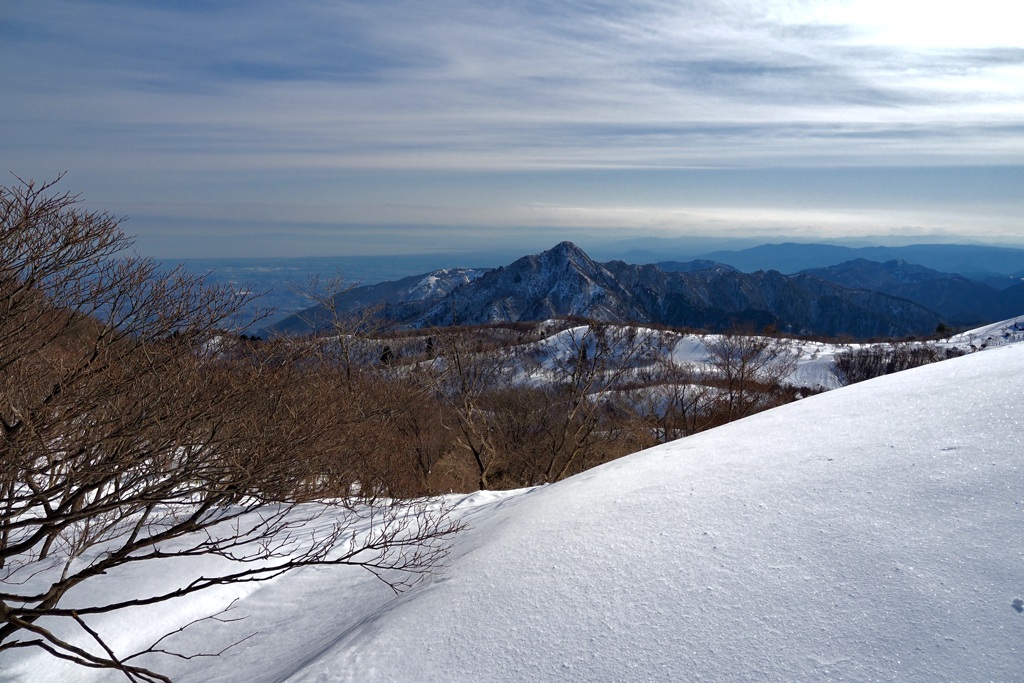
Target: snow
(997, 334)
(875, 532)
(868, 533)
(439, 283)
(812, 368)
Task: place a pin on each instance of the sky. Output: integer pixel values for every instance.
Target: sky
(325, 127)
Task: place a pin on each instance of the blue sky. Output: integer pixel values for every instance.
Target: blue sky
(319, 127)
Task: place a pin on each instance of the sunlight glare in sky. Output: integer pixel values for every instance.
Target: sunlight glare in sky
(937, 24)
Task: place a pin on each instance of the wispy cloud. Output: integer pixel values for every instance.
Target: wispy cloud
(255, 93)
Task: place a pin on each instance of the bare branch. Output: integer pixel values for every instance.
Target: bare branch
(137, 426)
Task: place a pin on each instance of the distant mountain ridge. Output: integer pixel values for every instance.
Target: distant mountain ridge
(692, 266)
(958, 299)
(564, 281)
(974, 261)
(413, 290)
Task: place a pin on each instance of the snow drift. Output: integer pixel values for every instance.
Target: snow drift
(871, 533)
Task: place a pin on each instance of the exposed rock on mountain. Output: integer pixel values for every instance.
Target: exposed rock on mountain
(564, 281)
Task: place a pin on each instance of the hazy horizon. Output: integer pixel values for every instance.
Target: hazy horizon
(259, 129)
(690, 247)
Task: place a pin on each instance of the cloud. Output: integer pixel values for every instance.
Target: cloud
(240, 100)
(387, 80)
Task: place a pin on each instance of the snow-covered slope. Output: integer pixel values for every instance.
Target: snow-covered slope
(990, 336)
(870, 533)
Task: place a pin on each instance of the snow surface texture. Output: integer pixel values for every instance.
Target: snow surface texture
(987, 337)
(870, 533)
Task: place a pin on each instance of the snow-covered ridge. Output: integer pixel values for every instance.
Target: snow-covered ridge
(813, 362)
(997, 334)
(869, 533)
(440, 283)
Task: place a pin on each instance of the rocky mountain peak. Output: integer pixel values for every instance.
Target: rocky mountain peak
(567, 253)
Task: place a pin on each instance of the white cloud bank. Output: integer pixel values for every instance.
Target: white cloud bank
(218, 102)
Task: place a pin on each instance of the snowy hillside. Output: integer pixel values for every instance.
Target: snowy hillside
(990, 336)
(869, 533)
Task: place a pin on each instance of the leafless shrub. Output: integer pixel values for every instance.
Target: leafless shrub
(533, 414)
(750, 369)
(875, 360)
(134, 428)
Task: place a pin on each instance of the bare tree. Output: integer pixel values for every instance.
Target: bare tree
(537, 413)
(599, 361)
(136, 427)
(874, 360)
(673, 398)
(750, 370)
(345, 335)
(464, 375)
(421, 438)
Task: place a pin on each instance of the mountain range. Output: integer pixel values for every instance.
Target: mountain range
(959, 300)
(978, 262)
(859, 299)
